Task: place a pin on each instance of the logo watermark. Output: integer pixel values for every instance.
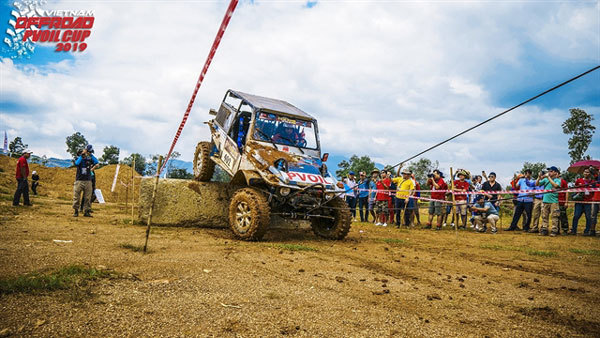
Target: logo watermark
(68, 30)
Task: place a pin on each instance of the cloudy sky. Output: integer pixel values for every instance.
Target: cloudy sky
(384, 78)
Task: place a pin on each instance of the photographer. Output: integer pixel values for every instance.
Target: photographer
(436, 182)
(85, 164)
(524, 201)
(550, 181)
(485, 212)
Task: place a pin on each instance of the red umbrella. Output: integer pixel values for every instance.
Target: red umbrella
(579, 167)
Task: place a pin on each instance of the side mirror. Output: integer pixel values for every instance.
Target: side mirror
(325, 157)
(212, 112)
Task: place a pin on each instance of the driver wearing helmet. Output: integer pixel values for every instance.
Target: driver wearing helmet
(288, 135)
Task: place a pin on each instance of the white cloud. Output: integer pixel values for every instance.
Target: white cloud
(384, 79)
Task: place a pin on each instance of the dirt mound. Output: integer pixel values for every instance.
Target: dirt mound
(58, 182)
(186, 202)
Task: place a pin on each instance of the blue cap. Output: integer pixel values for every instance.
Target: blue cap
(351, 173)
(89, 147)
(553, 168)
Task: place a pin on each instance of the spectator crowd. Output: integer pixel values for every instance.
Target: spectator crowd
(539, 203)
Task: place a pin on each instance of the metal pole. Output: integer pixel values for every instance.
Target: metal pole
(132, 190)
(160, 159)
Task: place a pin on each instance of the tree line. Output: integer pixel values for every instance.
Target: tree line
(578, 125)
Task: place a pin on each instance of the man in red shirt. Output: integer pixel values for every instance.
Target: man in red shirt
(583, 207)
(596, 200)
(381, 199)
(436, 182)
(22, 184)
(461, 185)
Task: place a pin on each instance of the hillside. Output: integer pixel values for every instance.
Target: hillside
(57, 182)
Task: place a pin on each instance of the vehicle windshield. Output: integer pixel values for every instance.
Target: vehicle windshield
(285, 130)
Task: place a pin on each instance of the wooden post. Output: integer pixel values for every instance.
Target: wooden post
(132, 190)
(453, 201)
(160, 159)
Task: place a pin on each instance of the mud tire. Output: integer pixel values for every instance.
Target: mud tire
(249, 214)
(337, 228)
(204, 167)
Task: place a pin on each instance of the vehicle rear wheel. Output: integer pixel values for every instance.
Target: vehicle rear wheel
(249, 214)
(204, 167)
(336, 227)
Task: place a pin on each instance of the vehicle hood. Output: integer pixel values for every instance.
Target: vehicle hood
(302, 169)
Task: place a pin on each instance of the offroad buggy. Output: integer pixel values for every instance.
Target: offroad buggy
(272, 152)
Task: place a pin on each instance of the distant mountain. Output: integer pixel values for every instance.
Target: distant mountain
(179, 164)
(52, 162)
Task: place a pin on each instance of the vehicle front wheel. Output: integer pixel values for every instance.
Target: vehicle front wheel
(249, 214)
(335, 227)
(204, 167)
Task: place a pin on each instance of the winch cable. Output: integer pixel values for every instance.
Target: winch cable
(211, 54)
(498, 115)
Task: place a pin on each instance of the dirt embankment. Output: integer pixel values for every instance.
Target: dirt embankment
(185, 202)
(58, 182)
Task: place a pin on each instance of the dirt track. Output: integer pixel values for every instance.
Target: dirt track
(377, 282)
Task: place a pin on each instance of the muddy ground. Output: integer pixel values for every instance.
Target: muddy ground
(377, 282)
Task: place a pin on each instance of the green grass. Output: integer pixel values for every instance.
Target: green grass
(69, 277)
(531, 252)
(590, 252)
(393, 241)
(542, 253)
(498, 247)
(295, 247)
(134, 248)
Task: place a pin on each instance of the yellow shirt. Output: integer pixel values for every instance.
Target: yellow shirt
(403, 184)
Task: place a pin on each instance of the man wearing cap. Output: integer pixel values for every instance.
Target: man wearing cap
(373, 193)
(22, 184)
(404, 190)
(461, 185)
(363, 197)
(550, 181)
(34, 181)
(90, 151)
(484, 213)
(381, 199)
(85, 164)
(436, 182)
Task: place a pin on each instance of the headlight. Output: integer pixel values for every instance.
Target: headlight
(284, 191)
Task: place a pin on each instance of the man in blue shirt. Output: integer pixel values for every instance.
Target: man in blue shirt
(524, 201)
(363, 197)
(90, 151)
(550, 181)
(537, 208)
(85, 163)
(485, 212)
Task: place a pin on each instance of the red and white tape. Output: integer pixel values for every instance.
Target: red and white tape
(211, 54)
